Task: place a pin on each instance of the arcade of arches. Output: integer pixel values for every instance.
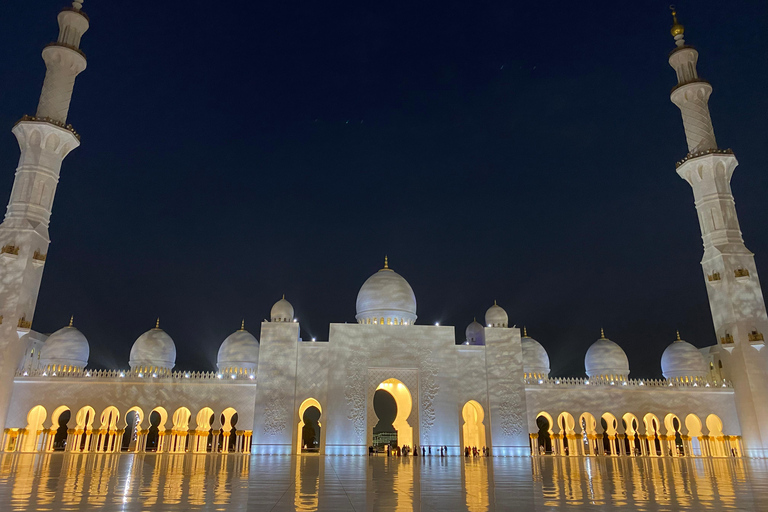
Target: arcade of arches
(109, 431)
(632, 436)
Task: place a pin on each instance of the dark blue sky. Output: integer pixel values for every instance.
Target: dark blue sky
(235, 151)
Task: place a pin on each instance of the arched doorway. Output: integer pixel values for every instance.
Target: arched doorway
(544, 424)
(59, 420)
(404, 405)
(82, 441)
(133, 420)
(156, 431)
(473, 429)
(203, 437)
(228, 420)
(308, 434)
(35, 419)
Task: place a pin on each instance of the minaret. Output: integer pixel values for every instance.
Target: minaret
(44, 139)
(735, 297)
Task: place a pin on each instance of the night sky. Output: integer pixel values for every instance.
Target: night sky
(518, 151)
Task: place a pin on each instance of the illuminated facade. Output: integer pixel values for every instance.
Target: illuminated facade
(494, 391)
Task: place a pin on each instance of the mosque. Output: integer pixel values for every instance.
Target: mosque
(495, 390)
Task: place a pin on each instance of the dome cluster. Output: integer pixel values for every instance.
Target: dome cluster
(386, 298)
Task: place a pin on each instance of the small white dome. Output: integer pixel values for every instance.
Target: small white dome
(239, 351)
(605, 359)
(154, 348)
(475, 333)
(386, 297)
(496, 316)
(535, 357)
(67, 347)
(681, 359)
(282, 311)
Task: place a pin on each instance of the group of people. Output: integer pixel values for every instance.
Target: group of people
(474, 452)
(405, 450)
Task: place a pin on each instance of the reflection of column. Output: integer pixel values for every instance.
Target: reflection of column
(534, 444)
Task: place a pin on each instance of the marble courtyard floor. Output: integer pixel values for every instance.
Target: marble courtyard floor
(148, 482)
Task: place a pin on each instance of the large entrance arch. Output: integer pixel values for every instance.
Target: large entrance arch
(304, 441)
(473, 429)
(404, 401)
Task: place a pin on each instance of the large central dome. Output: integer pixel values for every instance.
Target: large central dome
(386, 298)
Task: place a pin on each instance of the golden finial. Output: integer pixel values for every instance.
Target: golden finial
(678, 336)
(677, 28)
(72, 321)
(283, 296)
(602, 334)
(157, 324)
(494, 302)
(242, 325)
(386, 262)
(525, 332)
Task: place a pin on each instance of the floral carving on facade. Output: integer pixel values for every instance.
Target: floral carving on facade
(274, 417)
(429, 389)
(354, 392)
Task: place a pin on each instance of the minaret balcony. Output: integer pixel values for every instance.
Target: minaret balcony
(48, 120)
(714, 151)
(756, 339)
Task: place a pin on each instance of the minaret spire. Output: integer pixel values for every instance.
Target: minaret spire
(45, 139)
(730, 275)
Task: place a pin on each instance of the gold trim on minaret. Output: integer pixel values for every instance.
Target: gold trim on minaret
(677, 29)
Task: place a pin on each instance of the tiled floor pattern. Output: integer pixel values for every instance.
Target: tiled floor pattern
(149, 482)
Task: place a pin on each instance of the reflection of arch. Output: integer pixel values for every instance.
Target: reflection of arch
(35, 419)
(306, 404)
(473, 428)
(402, 396)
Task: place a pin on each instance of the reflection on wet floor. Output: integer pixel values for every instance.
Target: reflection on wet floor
(76, 482)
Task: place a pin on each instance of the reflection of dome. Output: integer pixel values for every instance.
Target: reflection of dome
(475, 333)
(282, 311)
(67, 347)
(153, 349)
(496, 316)
(386, 298)
(239, 351)
(535, 358)
(681, 359)
(606, 359)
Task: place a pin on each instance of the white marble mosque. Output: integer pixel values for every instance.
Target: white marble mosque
(493, 391)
